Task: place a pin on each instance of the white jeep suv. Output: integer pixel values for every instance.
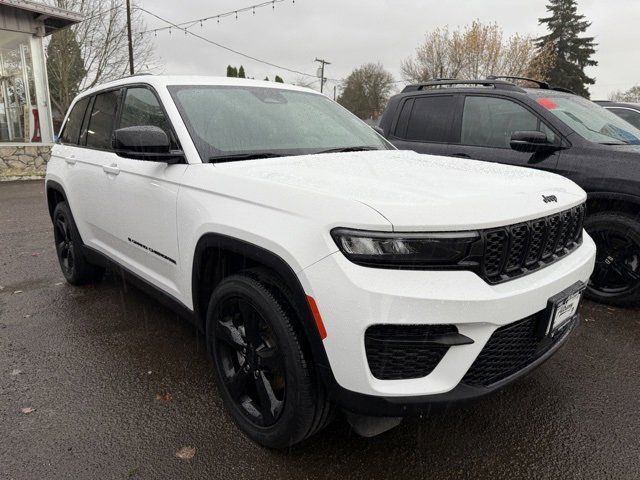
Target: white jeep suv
(326, 268)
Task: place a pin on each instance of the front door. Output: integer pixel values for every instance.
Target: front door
(145, 194)
(486, 127)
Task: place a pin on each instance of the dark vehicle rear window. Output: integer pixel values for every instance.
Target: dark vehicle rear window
(428, 119)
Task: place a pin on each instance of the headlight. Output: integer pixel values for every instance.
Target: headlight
(405, 250)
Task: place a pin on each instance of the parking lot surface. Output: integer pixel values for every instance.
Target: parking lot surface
(104, 382)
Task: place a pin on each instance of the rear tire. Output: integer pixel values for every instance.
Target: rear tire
(616, 277)
(75, 267)
(253, 343)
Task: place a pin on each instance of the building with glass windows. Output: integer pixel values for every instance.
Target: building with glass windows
(26, 128)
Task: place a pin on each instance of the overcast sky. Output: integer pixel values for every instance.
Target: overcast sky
(350, 33)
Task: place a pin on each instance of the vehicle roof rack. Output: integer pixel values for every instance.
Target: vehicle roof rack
(540, 83)
(488, 82)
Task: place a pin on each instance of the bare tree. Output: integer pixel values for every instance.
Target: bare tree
(102, 39)
(631, 96)
(366, 90)
(476, 51)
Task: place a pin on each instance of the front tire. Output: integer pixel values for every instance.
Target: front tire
(616, 277)
(75, 267)
(265, 379)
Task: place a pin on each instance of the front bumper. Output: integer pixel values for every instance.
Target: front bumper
(387, 406)
(351, 298)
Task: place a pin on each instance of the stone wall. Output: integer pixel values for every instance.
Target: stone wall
(23, 161)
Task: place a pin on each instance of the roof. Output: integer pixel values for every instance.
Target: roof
(53, 18)
(610, 103)
(159, 81)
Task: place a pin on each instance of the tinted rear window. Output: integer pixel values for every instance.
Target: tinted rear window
(71, 130)
(431, 119)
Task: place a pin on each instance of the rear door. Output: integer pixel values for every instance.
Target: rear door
(485, 128)
(145, 195)
(425, 124)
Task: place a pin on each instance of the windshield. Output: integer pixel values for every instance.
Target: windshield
(591, 121)
(240, 122)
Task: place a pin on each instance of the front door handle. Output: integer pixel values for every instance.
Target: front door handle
(111, 169)
(461, 155)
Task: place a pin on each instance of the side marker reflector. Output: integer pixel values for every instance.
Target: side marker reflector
(316, 316)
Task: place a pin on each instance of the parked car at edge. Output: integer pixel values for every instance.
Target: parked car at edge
(627, 111)
(542, 128)
(327, 269)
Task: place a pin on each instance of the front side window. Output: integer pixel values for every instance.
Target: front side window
(71, 130)
(102, 119)
(431, 119)
(490, 122)
(589, 120)
(141, 107)
(238, 120)
(628, 115)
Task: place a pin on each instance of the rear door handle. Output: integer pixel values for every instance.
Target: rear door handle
(71, 159)
(111, 169)
(461, 155)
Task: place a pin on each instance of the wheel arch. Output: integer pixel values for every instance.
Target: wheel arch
(55, 194)
(614, 202)
(217, 256)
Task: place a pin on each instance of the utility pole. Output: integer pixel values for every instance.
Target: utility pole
(129, 35)
(322, 64)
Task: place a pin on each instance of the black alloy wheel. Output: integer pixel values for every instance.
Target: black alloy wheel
(64, 245)
(248, 355)
(263, 369)
(616, 276)
(75, 267)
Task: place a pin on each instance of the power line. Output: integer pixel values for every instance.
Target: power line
(237, 52)
(217, 16)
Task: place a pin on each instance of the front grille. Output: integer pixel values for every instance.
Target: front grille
(518, 249)
(396, 352)
(510, 349)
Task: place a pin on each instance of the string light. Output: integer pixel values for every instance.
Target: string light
(232, 50)
(218, 17)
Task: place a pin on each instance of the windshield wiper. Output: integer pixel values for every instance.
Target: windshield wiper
(360, 148)
(244, 156)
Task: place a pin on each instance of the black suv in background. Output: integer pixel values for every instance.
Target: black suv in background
(547, 128)
(627, 111)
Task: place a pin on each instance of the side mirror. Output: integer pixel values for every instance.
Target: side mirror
(145, 142)
(531, 141)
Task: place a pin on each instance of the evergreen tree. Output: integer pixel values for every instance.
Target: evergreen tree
(266, 79)
(241, 72)
(571, 52)
(279, 79)
(65, 68)
(232, 71)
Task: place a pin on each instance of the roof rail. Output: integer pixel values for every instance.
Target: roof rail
(540, 83)
(494, 83)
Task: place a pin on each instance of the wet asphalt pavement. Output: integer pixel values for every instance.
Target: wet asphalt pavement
(118, 384)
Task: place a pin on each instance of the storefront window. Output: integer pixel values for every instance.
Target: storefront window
(19, 116)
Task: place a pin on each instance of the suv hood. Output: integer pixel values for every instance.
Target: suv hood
(421, 192)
